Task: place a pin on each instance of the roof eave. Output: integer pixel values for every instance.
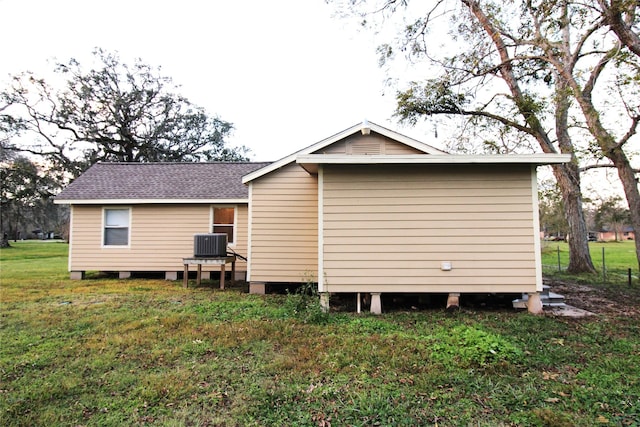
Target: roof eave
(149, 201)
(310, 162)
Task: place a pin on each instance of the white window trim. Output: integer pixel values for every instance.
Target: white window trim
(104, 215)
(234, 225)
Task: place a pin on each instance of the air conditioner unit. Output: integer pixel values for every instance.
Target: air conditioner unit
(210, 245)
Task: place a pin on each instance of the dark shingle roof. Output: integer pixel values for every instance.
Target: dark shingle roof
(160, 181)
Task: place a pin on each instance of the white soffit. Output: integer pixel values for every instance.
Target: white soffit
(310, 162)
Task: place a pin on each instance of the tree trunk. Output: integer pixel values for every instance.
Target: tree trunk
(630, 186)
(568, 176)
(613, 14)
(579, 255)
(614, 152)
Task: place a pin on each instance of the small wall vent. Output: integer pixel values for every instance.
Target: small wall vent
(210, 245)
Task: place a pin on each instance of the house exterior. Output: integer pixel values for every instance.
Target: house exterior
(624, 233)
(365, 211)
(141, 217)
(371, 211)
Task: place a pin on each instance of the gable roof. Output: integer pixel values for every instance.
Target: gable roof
(360, 127)
(105, 183)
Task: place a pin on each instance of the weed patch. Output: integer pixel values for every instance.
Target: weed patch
(472, 347)
(304, 304)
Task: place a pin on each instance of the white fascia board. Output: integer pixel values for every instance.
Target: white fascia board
(149, 201)
(427, 149)
(310, 162)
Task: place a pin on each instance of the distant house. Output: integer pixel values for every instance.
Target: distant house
(366, 210)
(608, 235)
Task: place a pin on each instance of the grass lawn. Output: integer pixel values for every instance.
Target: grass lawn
(618, 258)
(102, 352)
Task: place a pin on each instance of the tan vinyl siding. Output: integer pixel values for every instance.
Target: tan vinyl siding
(374, 143)
(339, 147)
(387, 229)
(284, 234)
(393, 148)
(161, 235)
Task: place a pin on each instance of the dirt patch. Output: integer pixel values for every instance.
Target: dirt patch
(596, 299)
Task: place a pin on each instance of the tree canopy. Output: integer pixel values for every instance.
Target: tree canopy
(558, 72)
(113, 112)
(26, 199)
(52, 130)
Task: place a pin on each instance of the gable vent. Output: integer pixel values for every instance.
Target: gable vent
(365, 147)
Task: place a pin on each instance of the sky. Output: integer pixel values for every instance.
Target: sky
(286, 73)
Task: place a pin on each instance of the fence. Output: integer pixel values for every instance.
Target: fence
(609, 269)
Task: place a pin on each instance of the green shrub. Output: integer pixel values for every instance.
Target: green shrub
(304, 304)
(474, 347)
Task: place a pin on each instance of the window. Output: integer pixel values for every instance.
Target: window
(224, 222)
(116, 227)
